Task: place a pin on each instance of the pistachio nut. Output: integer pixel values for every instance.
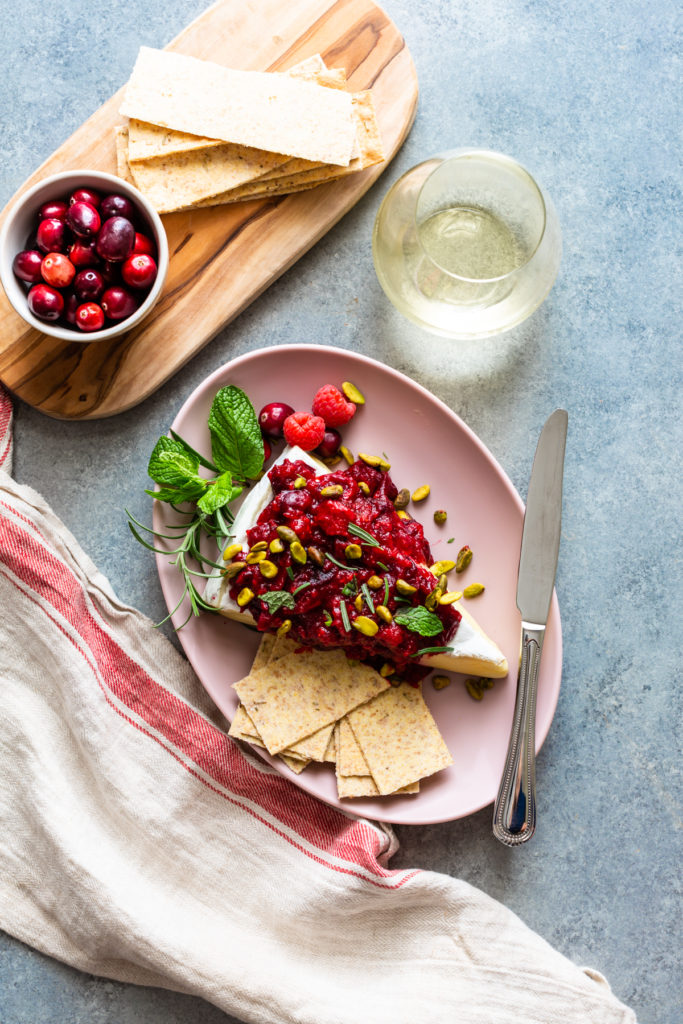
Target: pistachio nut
(234, 569)
(421, 493)
(352, 393)
(473, 687)
(450, 597)
(316, 556)
(299, 482)
(440, 516)
(231, 551)
(384, 613)
(441, 682)
(444, 565)
(374, 582)
(365, 625)
(353, 551)
(402, 499)
(387, 670)
(332, 491)
(245, 596)
(298, 552)
(358, 602)
(268, 568)
(260, 545)
(276, 546)
(463, 559)
(364, 487)
(284, 628)
(405, 588)
(254, 557)
(474, 590)
(347, 453)
(287, 534)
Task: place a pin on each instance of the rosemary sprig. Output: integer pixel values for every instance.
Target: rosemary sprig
(363, 535)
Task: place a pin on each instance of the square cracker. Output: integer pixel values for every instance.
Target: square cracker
(250, 108)
(300, 693)
(350, 760)
(399, 738)
(350, 786)
(242, 728)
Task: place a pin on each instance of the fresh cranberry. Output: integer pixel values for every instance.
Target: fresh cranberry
(117, 206)
(85, 195)
(83, 253)
(89, 285)
(71, 304)
(52, 235)
(143, 244)
(295, 501)
(111, 272)
(267, 450)
(272, 417)
(118, 303)
(116, 239)
(57, 270)
(139, 271)
(45, 302)
(83, 219)
(330, 444)
(90, 317)
(54, 208)
(26, 266)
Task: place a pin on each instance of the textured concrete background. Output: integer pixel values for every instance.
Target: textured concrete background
(587, 96)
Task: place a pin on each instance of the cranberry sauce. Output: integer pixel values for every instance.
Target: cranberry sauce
(336, 585)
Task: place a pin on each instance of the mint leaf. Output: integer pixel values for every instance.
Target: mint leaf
(171, 464)
(220, 492)
(191, 451)
(236, 442)
(190, 491)
(277, 600)
(419, 620)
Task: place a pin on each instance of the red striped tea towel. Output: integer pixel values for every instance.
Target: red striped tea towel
(138, 843)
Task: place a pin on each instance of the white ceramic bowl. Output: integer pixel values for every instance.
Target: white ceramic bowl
(22, 219)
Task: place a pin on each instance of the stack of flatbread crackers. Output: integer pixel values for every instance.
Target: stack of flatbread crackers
(200, 134)
(312, 705)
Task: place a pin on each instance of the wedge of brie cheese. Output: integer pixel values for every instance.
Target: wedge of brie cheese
(474, 653)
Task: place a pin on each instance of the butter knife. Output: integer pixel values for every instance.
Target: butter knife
(514, 814)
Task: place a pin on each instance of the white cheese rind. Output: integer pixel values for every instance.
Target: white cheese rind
(474, 653)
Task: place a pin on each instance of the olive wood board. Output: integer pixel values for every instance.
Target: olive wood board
(222, 257)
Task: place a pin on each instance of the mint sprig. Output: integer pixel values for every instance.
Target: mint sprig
(419, 619)
(276, 600)
(237, 457)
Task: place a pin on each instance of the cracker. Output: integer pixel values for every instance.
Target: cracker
(250, 108)
(399, 738)
(331, 752)
(350, 760)
(312, 747)
(149, 141)
(242, 728)
(283, 645)
(295, 696)
(350, 786)
(264, 651)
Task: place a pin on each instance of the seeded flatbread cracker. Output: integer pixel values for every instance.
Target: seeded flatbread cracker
(350, 786)
(265, 649)
(399, 738)
(312, 747)
(242, 728)
(350, 760)
(283, 645)
(331, 752)
(250, 108)
(150, 141)
(295, 696)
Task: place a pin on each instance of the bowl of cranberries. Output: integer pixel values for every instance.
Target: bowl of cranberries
(83, 256)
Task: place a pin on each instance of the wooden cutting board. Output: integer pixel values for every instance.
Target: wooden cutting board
(223, 257)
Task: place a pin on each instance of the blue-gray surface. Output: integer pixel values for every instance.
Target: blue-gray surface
(586, 95)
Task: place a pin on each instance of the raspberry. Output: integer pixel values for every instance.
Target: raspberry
(304, 429)
(332, 406)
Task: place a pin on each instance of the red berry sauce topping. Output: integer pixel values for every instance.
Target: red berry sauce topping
(335, 585)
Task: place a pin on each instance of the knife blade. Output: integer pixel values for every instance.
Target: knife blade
(514, 815)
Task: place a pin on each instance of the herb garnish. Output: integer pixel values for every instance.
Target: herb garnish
(419, 619)
(431, 650)
(382, 566)
(236, 458)
(368, 597)
(276, 600)
(340, 564)
(367, 538)
(345, 616)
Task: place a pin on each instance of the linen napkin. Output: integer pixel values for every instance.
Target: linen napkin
(137, 842)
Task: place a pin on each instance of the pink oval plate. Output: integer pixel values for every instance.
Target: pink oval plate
(425, 443)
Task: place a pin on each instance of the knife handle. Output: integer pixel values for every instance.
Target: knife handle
(514, 814)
